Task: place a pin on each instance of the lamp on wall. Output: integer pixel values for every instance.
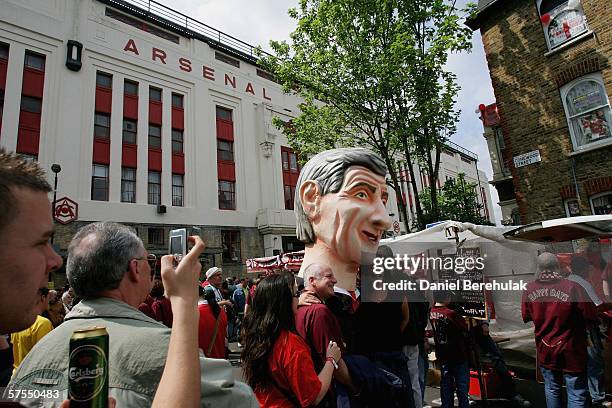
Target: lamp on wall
(55, 168)
(73, 55)
(266, 148)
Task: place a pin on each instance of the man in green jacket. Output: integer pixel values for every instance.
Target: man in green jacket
(108, 267)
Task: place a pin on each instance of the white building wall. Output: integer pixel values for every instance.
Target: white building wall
(66, 137)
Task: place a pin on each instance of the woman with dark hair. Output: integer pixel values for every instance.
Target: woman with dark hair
(212, 326)
(276, 361)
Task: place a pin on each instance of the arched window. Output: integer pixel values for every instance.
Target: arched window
(562, 20)
(588, 111)
(601, 204)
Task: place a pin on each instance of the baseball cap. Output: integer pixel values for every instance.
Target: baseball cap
(212, 271)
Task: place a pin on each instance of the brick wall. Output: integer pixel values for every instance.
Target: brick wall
(526, 85)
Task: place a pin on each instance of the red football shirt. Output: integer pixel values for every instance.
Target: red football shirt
(206, 329)
(291, 369)
(559, 313)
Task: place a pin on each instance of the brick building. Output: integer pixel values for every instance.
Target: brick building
(551, 148)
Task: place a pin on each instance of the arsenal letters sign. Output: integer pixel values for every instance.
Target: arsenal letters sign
(186, 65)
(66, 210)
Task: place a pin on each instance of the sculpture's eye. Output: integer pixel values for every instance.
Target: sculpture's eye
(361, 194)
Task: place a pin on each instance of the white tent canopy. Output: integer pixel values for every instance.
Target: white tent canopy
(505, 260)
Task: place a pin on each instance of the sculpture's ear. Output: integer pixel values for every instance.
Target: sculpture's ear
(309, 196)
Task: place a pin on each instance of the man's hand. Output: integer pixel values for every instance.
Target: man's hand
(308, 298)
(181, 282)
(225, 303)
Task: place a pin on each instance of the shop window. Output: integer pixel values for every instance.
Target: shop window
(588, 111)
(156, 236)
(178, 190)
(562, 21)
(128, 185)
(601, 204)
(154, 187)
(231, 246)
(227, 195)
(99, 182)
(129, 131)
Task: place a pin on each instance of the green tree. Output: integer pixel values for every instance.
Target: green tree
(371, 73)
(457, 201)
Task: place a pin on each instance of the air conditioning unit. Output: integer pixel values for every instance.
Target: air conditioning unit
(161, 209)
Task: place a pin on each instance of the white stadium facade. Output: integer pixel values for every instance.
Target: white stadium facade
(158, 121)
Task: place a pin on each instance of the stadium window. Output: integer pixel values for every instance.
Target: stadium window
(101, 125)
(129, 131)
(178, 190)
(104, 80)
(154, 136)
(99, 182)
(128, 185)
(34, 61)
(227, 195)
(154, 188)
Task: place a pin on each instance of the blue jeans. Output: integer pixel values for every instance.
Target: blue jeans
(576, 385)
(595, 365)
(423, 368)
(455, 378)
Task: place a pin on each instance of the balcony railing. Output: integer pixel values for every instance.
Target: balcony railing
(159, 14)
(461, 150)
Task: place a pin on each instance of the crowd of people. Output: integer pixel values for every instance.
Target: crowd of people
(309, 341)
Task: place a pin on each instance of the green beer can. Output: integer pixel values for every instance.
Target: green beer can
(88, 368)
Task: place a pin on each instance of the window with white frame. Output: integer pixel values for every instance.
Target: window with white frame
(128, 185)
(572, 207)
(587, 109)
(562, 21)
(178, 189)
(601, 204)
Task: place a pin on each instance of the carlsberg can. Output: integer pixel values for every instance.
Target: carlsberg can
(88, 368)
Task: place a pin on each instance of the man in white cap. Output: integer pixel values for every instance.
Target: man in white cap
(214, 277)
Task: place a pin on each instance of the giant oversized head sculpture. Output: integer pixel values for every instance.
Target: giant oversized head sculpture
(340, 210)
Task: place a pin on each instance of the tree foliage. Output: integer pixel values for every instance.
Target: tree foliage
(457, 201)
(372, 73)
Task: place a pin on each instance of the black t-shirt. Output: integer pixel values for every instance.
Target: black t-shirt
(378, 327)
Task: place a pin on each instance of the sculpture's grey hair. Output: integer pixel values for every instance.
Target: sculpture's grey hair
(99, 255)
(327, 169)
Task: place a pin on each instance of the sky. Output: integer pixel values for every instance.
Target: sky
(258, 22)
